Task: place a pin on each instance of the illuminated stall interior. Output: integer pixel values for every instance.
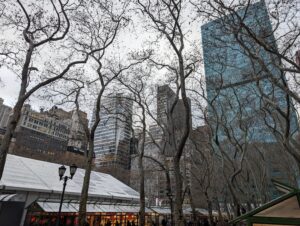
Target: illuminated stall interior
(45, 213)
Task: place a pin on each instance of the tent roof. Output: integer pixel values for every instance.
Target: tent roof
(25, 174)
(161, 210)
(285, 188)
(284, 210)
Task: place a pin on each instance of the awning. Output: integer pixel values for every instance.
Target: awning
(52, 207)
(284, 210)
(30, 175)
(6, 197)
(160, 210)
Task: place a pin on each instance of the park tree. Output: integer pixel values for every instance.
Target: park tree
(31, 30)
(136, 84)
(264, 36)
(165, 20)
(99, 24)
(235, 154)
(280, 40)
(269, 38)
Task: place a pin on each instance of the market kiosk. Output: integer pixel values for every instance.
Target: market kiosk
(284, 210)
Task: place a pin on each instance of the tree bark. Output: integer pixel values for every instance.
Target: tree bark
(14, 119)
(85, 186)
(141, 148)
(220, 215)
(209, 208)
(142, 192)
(194, 215)
(178, 214)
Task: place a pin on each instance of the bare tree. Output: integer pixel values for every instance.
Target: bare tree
(280, 41)
(137, 87)
(101, 72)
(165, 18)
(31, 28)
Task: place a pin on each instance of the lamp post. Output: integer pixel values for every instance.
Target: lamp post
(170, 196)
(61, 172)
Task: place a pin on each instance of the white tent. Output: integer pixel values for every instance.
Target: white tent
(29, 175)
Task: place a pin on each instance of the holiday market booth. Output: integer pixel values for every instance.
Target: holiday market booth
(31, 192)
(282, 211)
(45, 213)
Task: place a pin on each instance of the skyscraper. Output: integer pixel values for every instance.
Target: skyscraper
(113, 134)
(166, 97)
(172, 121)
(244, 104)
(236, 82)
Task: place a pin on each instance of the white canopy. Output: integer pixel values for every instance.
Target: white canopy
(161, 210)
(6, 197)
(24, 174)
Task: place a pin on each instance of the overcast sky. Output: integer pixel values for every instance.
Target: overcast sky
(9, 86)
(130, 39)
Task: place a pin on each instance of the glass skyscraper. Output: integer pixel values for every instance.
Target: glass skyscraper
(113, 134)
(236, 81)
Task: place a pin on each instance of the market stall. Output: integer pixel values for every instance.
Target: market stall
(284, 210)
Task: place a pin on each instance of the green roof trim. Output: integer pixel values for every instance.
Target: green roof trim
(249, 216)
(282, 186)
(274, 220)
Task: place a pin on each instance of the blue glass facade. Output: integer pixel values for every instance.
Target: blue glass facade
(236, 81)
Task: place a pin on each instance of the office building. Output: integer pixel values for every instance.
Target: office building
(54, 135)
(236, 82)
(243, 101)
(112, 143)
(172, 121)
(166, 98)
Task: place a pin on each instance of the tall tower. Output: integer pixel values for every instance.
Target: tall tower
(236, 82)
(165, 99)
(174, 121)
(237, 86)
(112, 136)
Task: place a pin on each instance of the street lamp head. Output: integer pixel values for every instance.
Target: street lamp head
(169, 193)
(73, 169)
(61, 171)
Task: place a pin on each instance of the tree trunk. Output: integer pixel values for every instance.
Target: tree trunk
(142, 192)
(14, 119)
(220, 216)
(209, 208)
(237, 208)
(194, 215)
(85, 186)
(172, 209)
(227, 210)
(12, 124)
(178, 214)
(249, 208)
